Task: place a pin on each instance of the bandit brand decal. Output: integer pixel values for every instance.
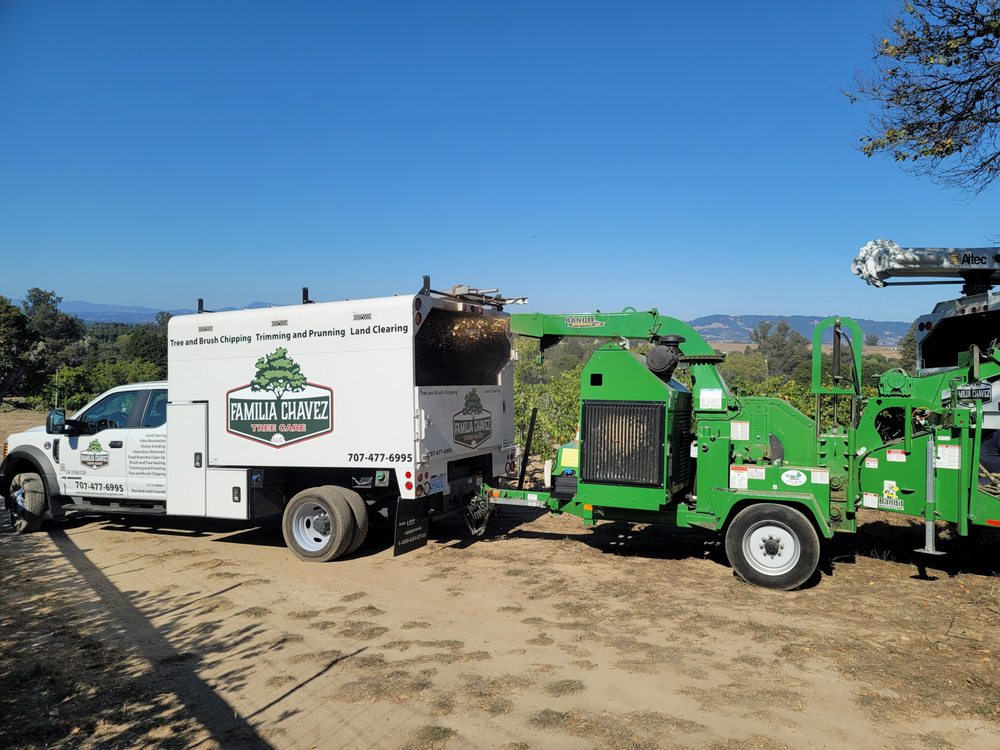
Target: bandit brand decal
(473, 425)
(582, 321)
(794, 478)
(95, 456)
(266, 411)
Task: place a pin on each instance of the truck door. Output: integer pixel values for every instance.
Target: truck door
(146, 451)
(92, 464)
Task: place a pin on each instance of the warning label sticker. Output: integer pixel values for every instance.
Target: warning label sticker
(949, 457)
(739, 430)
(710, 398)
(819, 476)
(738, 477)
(871, 463)
(896, 455)
(869, 500)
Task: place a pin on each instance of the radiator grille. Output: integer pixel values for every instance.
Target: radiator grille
(622, 443)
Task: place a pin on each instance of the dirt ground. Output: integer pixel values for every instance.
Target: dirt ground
(543, 634)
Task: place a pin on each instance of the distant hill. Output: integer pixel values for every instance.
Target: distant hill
(712, 327)
(738, 327)
(91, 312)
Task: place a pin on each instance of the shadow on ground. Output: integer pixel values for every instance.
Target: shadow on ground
(82, 664)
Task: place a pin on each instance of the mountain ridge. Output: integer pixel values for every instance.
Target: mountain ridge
(714, 328)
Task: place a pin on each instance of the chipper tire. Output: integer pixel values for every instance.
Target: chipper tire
(359, 510)
(772, 546)
(26, 502)
(318, 524)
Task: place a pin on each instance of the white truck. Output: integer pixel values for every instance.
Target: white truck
(331, 414)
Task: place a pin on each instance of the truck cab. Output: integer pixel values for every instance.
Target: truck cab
(111, 455)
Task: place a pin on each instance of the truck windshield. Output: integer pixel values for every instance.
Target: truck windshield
(457, 348)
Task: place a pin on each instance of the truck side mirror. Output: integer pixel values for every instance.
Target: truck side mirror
(55, 422)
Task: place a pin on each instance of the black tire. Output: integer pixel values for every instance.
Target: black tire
(772, 546)
(26, 502)
(317, 524)
(359, 511)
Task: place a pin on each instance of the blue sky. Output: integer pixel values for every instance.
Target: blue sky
(690, 156)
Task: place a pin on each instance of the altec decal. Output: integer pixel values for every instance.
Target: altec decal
(279, 406)
(968, 259)
(582, 321)
(473, 425)
(95, 456)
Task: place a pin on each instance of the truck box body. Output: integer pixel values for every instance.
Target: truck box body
(390, 390)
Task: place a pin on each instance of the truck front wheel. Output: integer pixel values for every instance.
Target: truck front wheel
(772, 546)
(26, 502)
(317, 524)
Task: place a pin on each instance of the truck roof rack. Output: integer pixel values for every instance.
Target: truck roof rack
(466, 293)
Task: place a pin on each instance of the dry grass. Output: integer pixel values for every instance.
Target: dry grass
(491, 694)
(430, 737)
(564, 687)
(640, 730)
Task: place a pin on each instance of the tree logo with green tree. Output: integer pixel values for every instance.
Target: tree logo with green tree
(474, 424)
(279, 374)
(279, 406)
(95, 457)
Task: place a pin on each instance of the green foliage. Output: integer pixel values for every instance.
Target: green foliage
(786, 352)
(871, 339)
(16, 341)
(74, 387)
(149, 343)
(908, 349)
(936, 88)
(278, 373)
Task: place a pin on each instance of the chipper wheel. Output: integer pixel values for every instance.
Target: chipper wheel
(26, 502)
(318, 524)
(772, 546)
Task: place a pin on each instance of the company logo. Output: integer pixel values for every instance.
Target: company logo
(279, 406)
(793, 478)
(582, 321)
(969, 259)
(473, 425)
(95, 457)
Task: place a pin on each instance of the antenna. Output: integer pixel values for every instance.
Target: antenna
(305, 296)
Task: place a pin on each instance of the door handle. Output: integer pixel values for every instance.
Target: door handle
(115, 444)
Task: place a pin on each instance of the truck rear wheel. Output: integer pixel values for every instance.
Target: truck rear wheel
(359, 510)
(772, 546)
(317, 524)
(26, 502)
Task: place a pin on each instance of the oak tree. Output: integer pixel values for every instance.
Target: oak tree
(936, 91)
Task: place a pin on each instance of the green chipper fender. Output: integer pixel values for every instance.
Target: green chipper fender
(772, 480)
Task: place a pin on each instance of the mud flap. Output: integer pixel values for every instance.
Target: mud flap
(411, 525)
